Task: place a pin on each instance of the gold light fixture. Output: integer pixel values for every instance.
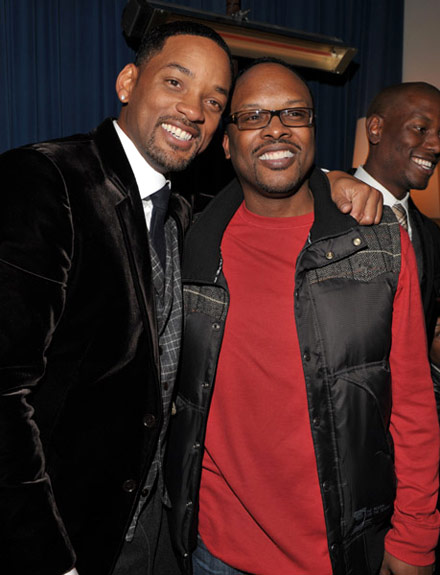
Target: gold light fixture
(245, 38)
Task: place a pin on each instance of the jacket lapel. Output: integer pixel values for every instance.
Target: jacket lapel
(132, 221)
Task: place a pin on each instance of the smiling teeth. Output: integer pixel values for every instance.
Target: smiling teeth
(276, 155)
(424, 163)
(177, 132)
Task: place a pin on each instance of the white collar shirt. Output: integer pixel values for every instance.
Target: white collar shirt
(148, 180)
(388, 198)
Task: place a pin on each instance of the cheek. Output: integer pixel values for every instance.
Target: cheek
(308, 145)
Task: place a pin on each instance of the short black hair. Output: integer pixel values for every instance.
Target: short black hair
(388, 97)
(266, 60)
(153, 42)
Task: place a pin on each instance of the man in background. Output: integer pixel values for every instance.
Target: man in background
(403, 130)
(305, 439)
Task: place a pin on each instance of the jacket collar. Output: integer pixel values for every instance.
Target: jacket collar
(113, 158)
(118, 169)
(202, 246)
(329, 220)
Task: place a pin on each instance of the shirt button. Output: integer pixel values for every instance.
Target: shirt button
(316, 421)
(306, 355)
(144, 492)
(357, 241)
(329, 255)
(129, 485)
(216, 326)
(149, 420)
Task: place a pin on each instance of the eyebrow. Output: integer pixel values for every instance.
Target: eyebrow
(190, 74)
(421, 116)
(255, 106)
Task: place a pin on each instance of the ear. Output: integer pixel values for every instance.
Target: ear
(226, 146)
(126, 81)
(374, 126)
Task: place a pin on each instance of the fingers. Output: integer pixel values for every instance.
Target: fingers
(356, 198)
(371, 213)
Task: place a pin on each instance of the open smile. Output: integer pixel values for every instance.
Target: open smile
(277, 155)
(426, 165)
(177, 133)
(277, 158)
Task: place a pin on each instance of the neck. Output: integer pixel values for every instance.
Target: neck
(277, 205)
(383, 178)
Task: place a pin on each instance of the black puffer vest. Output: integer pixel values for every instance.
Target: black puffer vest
(346, 279)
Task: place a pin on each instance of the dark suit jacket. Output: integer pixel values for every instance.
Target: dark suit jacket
(77, 343)
(426, 243)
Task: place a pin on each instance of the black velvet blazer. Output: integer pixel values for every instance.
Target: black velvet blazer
(78, 345)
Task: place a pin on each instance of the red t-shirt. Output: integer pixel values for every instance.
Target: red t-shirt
(260, 503)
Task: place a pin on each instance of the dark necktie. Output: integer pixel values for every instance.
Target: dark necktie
(157, 229)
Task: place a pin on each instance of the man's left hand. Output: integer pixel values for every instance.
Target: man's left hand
(393, 566)
(356, 198)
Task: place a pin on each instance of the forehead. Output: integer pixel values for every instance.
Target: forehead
(416, 103)
(270, 86)
(198, 54)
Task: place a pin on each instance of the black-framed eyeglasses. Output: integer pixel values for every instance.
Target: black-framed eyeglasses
(257, 119)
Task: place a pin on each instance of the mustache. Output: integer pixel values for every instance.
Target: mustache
(179, 120)
(281, 142)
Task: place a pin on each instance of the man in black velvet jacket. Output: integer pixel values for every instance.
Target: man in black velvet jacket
(84, 393)
(79, 335)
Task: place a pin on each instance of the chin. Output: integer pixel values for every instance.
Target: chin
(165, 163)
(419, 185)
(280, 191)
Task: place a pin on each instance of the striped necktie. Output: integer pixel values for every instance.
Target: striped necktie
(401, 214)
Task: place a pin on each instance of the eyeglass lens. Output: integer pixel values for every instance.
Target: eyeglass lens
(254, 119)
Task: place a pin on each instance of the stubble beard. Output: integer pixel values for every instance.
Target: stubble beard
(288, 188)
(164, 160)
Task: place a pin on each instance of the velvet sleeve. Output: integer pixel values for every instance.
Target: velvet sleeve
(414, 425)
(36, 239)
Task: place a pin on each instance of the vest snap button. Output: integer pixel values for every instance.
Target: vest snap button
(149, 420)
(129, 485)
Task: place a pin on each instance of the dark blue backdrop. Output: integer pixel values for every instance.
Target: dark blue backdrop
(59, 60)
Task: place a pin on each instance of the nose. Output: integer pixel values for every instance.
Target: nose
(275, 129)
(432, 141)
(191, 106)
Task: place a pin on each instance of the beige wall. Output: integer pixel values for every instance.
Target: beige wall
(421, 62)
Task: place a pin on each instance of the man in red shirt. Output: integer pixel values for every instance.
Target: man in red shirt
(305, 439)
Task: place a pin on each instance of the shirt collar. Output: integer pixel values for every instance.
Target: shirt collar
(147, 178)
(388, 198)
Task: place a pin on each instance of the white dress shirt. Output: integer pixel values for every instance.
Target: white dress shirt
(147, 178)
(388, 198)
